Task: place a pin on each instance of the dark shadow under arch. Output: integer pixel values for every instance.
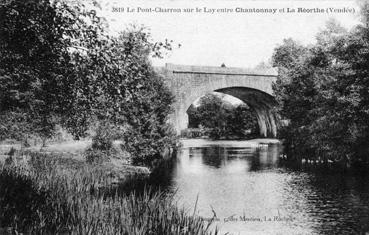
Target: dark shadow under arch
(262, 103)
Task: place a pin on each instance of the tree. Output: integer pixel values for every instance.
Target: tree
(35, 60)
(322, 91)
(212, 115)
(222, 119)
(124, 93)
(58, 65)
(147, 104)
(242, 122)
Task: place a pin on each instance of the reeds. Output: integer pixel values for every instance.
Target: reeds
(44, 197)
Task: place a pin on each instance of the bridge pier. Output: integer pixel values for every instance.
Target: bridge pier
(179, 120)
(267, 123)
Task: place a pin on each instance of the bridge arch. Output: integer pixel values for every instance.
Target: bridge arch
(252, 87)
(261, 102)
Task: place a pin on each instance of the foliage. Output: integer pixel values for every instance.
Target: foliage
(147, 101)
(103, 139)
(125, 93)
(221, 119)
(99, 156)
(59, 66)
(43, 199)
(13, 125)
(323, 93)
(242, 122)
(33, 56)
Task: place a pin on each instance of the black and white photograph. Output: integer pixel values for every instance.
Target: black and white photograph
(184, 117)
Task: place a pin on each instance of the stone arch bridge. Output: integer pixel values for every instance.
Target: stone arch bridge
(189, 83)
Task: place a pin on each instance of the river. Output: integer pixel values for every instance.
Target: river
(242, 185)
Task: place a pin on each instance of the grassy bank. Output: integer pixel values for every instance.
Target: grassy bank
(46, 195)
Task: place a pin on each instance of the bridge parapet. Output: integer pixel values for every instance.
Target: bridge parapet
(175, 68)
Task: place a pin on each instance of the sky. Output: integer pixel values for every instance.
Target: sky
(237, 39)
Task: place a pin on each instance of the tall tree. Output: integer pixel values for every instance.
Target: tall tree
(322, 91)
(35, 41)
(58, 64)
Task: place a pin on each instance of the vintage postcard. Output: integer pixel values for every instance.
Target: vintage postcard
(184, 117)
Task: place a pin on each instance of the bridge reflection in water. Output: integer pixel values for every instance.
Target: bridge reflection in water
(251, 194)
(220, 156)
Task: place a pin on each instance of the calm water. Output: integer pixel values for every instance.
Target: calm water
(250, 193)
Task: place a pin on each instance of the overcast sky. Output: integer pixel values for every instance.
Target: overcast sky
(236, 39)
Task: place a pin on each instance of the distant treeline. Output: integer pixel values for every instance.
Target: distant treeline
(219, 119)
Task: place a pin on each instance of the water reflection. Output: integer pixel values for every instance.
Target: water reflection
(251, 194)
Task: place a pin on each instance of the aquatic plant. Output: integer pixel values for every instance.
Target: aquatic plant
(45, 196)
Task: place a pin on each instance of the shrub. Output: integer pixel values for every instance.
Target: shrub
(97, 156)
(103, 139)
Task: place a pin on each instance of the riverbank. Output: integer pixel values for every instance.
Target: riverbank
(55, 191)
(71, 156)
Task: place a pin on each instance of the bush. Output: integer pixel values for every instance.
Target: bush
(222, 120)
(102, 144)
(322, 93)
(146, 148)
(103, 139)
(97, 156)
